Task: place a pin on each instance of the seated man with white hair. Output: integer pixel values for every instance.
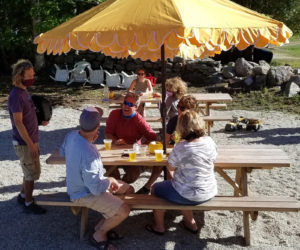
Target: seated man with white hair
(86, 184)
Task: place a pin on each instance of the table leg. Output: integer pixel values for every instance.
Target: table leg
(207, 110)
(83, 222)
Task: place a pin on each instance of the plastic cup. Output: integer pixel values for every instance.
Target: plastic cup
(158, 154)
(144, 150)
(107, 144)
(132, 155)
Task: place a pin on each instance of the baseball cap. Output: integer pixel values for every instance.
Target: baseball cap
(90, 118)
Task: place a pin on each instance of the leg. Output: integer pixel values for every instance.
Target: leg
(108, 224)
(28, 188)
(156, 171)
(159, 224)
(115, 173)
(189, 220)
(131, 174)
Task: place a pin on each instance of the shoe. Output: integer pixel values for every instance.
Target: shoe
(182, 224)
(113, 235)
(150, 229)
(143, 190)
(21, 200)
(34, 209)
(104, 245)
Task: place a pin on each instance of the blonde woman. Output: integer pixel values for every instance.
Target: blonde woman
(187, 102)
(191, 166)
(176, 88)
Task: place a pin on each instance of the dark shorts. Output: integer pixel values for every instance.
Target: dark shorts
(165, 190)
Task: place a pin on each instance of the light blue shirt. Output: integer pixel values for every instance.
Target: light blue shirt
(84, 168)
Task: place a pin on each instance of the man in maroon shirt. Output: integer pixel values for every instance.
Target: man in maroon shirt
(126, 126)
(25, 132)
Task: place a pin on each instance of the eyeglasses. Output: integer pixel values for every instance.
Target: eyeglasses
(140, 74)
(129, 104)
(181, 108)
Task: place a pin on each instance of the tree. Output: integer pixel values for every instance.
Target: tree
(22, 20)
(287, 11)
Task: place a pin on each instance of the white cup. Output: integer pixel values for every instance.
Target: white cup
(144, 150)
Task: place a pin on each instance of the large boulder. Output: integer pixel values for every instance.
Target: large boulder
(228, 72)
(108, 63)
(296, 79)
(291, 89)
(261, 69)
(243, 67)
(260, 82)
(278, 75)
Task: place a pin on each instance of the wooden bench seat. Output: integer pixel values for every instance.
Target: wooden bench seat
(147, 105)
(214, 106)
(148, 202)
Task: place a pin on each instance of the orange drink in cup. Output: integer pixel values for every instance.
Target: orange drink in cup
(158, 154)
(132, 155)
(111, 94)
(107, 144)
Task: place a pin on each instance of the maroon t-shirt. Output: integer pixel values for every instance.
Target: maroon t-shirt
(19, 100)
(131, 130)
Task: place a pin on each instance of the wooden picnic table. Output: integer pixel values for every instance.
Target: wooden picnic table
(211, 98)
(241, 158)
(207, 98)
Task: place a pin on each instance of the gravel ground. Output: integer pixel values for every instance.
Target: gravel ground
(59, 228)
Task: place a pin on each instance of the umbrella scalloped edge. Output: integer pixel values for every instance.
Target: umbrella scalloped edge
(187, 43)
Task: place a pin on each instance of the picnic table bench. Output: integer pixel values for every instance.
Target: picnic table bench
(241, 158)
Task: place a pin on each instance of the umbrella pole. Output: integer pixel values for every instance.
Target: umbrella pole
(163, 104)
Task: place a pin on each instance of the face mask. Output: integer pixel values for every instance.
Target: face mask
(169, 93)
(28, 82)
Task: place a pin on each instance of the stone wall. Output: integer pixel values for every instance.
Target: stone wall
(239, 75)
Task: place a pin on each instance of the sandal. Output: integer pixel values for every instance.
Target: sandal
(113, 235)
(183, 225)
(150, 229)
(103, 245)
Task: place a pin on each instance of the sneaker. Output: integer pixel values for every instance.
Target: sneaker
(143, 190)
(21, 200)
(34, 209)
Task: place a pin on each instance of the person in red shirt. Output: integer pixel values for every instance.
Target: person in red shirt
(127, 126)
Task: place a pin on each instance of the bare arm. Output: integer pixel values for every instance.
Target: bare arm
(171, 170)
(18, 119)
(114, 139)
(132, 85)
(150, 89)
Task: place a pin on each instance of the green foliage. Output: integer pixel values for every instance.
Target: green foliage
(287, 11)
(22, 20)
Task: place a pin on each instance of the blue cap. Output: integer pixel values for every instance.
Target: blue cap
(90, 119)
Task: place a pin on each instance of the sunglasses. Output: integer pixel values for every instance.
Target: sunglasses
(140, 74)
(181, 108)
(129, 104)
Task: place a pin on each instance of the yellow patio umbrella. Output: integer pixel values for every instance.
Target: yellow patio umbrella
(160, 29)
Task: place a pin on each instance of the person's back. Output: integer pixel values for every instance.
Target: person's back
(194, 177)
(82, 156)
(86, 184)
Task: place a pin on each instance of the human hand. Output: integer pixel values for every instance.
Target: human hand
(34, 150)
(114, 186)
(120, 142)
(44, 123)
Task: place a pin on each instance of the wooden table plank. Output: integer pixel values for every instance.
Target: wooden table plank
(229, 157)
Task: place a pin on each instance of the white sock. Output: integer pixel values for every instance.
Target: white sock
(28, 203)
(22, 195)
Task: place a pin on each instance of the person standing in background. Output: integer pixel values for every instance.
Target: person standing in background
(25, 132)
